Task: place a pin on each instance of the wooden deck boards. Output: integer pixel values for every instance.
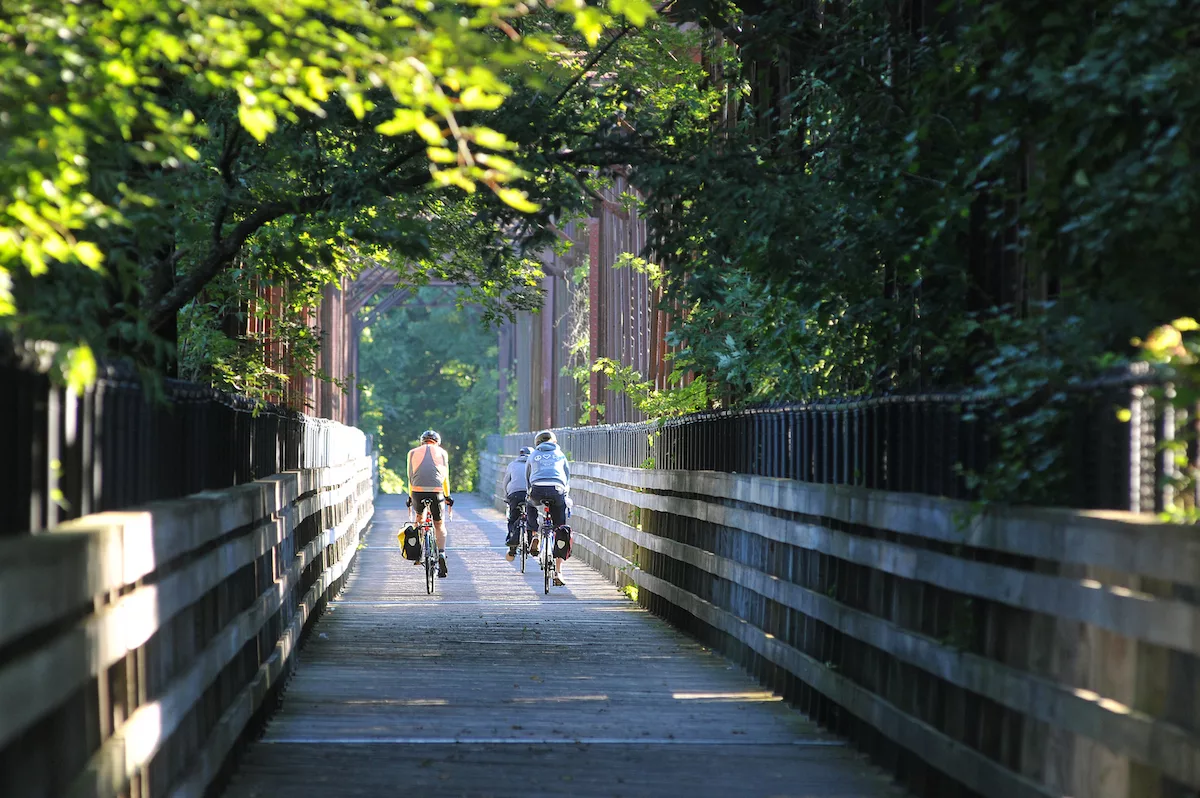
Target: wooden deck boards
(490, 688)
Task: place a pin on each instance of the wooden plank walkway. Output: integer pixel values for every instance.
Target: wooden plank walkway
(490, 688)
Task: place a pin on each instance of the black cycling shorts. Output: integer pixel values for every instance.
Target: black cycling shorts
(516, 505)
(556, 495)
(435, 506)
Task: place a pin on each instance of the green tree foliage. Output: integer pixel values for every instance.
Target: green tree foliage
(430, 364)
(153, 146)
(879, 197)
(991, 194)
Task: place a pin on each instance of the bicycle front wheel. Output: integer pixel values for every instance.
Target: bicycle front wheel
(523, 545)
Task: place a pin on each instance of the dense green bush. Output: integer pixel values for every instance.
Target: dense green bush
(1001, 191)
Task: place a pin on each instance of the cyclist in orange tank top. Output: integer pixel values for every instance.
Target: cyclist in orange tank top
(429, 478)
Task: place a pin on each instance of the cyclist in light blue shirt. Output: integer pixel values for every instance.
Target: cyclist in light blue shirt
(549, 478)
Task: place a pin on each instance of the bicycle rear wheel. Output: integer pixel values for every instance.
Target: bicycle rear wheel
(547, 563)
(523, 545)
(430, 566)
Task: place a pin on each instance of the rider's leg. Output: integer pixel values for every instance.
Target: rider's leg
(516, 508)
(558, 509)
(510, 539)
(532, 522)
(439, 531)
(558, 515)
(531, 513)
(439, 534)
(419, 515)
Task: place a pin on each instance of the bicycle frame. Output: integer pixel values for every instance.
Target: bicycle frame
(424, 520)
(522, 534)
(546, 531)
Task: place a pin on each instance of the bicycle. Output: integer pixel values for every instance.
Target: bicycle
(425, 524)
(546, 555)
(523, 544)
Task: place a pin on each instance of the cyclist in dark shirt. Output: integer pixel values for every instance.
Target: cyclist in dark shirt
(515, 492)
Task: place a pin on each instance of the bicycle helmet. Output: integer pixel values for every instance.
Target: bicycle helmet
(545, 436)
(525, 451)
(430, 435)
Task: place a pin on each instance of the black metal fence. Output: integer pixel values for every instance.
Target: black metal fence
(1103, 458)
(115, 446)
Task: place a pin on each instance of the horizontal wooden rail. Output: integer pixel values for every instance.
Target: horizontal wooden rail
(972, 768)
(1165, 746)
(1141, 616)
(1092, 704)
(135, 646)
(1129, 542)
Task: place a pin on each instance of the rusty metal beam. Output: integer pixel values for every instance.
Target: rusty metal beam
(548, 346)
(375, 277)
(594, 308)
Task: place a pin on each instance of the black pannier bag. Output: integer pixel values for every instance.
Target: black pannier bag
(563, 537)
(410, 543)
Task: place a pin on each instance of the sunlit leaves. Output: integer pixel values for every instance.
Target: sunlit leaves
(258, 122)
(89, 254)
(430, 131)
(108, 106)
(486, 137)
(590, 21)
(476, 99)
(517, 199)
(441, 155)
(638, 11)
(676, 400)
(7, 307)
(77, 367)
(1172, 344)
(404, 120)
(354, 101)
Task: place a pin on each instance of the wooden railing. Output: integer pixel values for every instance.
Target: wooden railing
(1007, 653)
(136, 646)
(121, 442)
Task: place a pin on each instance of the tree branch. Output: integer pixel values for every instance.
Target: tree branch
(401, 159)
(225, 249)
(603, 51)
(225, 166)
(223, 253)
(591, 192)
